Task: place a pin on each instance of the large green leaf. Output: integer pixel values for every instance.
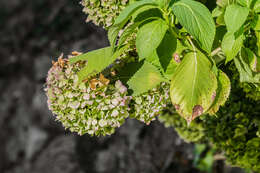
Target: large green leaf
(122, 19)
(143, 15)
(97, 61)
(222, 94)
(235, 17)
(231, 44)
(129, 10)
(146, 78)
(193, 85)
(197, 20)
(149, 37)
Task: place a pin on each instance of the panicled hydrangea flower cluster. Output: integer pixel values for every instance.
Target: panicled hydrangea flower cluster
(95, 106)
(103, 12)
(148, 106)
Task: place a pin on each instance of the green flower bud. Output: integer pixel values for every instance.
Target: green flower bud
(96, 106)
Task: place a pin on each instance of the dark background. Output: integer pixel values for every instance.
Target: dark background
(32, 34)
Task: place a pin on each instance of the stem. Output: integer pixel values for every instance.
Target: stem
(170, 24)
(189, 39)
(216, 51)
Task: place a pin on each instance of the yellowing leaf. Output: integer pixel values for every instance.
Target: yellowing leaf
(222, 94)
(193, 85)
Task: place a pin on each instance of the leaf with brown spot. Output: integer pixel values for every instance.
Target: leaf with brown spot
(192, 85)
(222, 94)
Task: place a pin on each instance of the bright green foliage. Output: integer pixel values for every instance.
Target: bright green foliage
(162, 46)
(232, 44)
(147, 106)
(235, 17)
(96, 61)
(149, 37)
(193, 86)
(123, 18)
(94, 107)
(197, 20)
(146, 78)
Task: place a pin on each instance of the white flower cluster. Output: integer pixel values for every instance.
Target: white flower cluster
(96, 106)
(103, 12)
(151, 104)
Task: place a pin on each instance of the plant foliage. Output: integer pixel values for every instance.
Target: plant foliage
(176, 59)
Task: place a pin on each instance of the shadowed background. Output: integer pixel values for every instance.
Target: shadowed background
(32, 34)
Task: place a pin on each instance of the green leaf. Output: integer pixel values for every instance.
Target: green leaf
(232, 44)
(197, 20)
(127, 33)
(166, 50)
(224, 3)
(256, 23)
(146, 12)
(257, 7)
(220, 19)
(92, 55)
(146, 78)
(122, 19)
(252, 60)
(235, 17)
(113, 34)
(217, 12)
(129, 10)
(163, 3)
(193, 85)
(245, 72)
(222, 94)
(149, 37)
(245, 3)
(97, 61)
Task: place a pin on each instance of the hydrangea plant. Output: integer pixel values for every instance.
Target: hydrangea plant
(196, 69)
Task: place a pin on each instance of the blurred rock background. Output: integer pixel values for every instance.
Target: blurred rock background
(32, 34)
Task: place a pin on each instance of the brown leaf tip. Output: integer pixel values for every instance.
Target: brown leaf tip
(197, 111)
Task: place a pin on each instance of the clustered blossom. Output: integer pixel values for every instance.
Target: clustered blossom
(96, 106)
(103, 12)
(148, 106)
